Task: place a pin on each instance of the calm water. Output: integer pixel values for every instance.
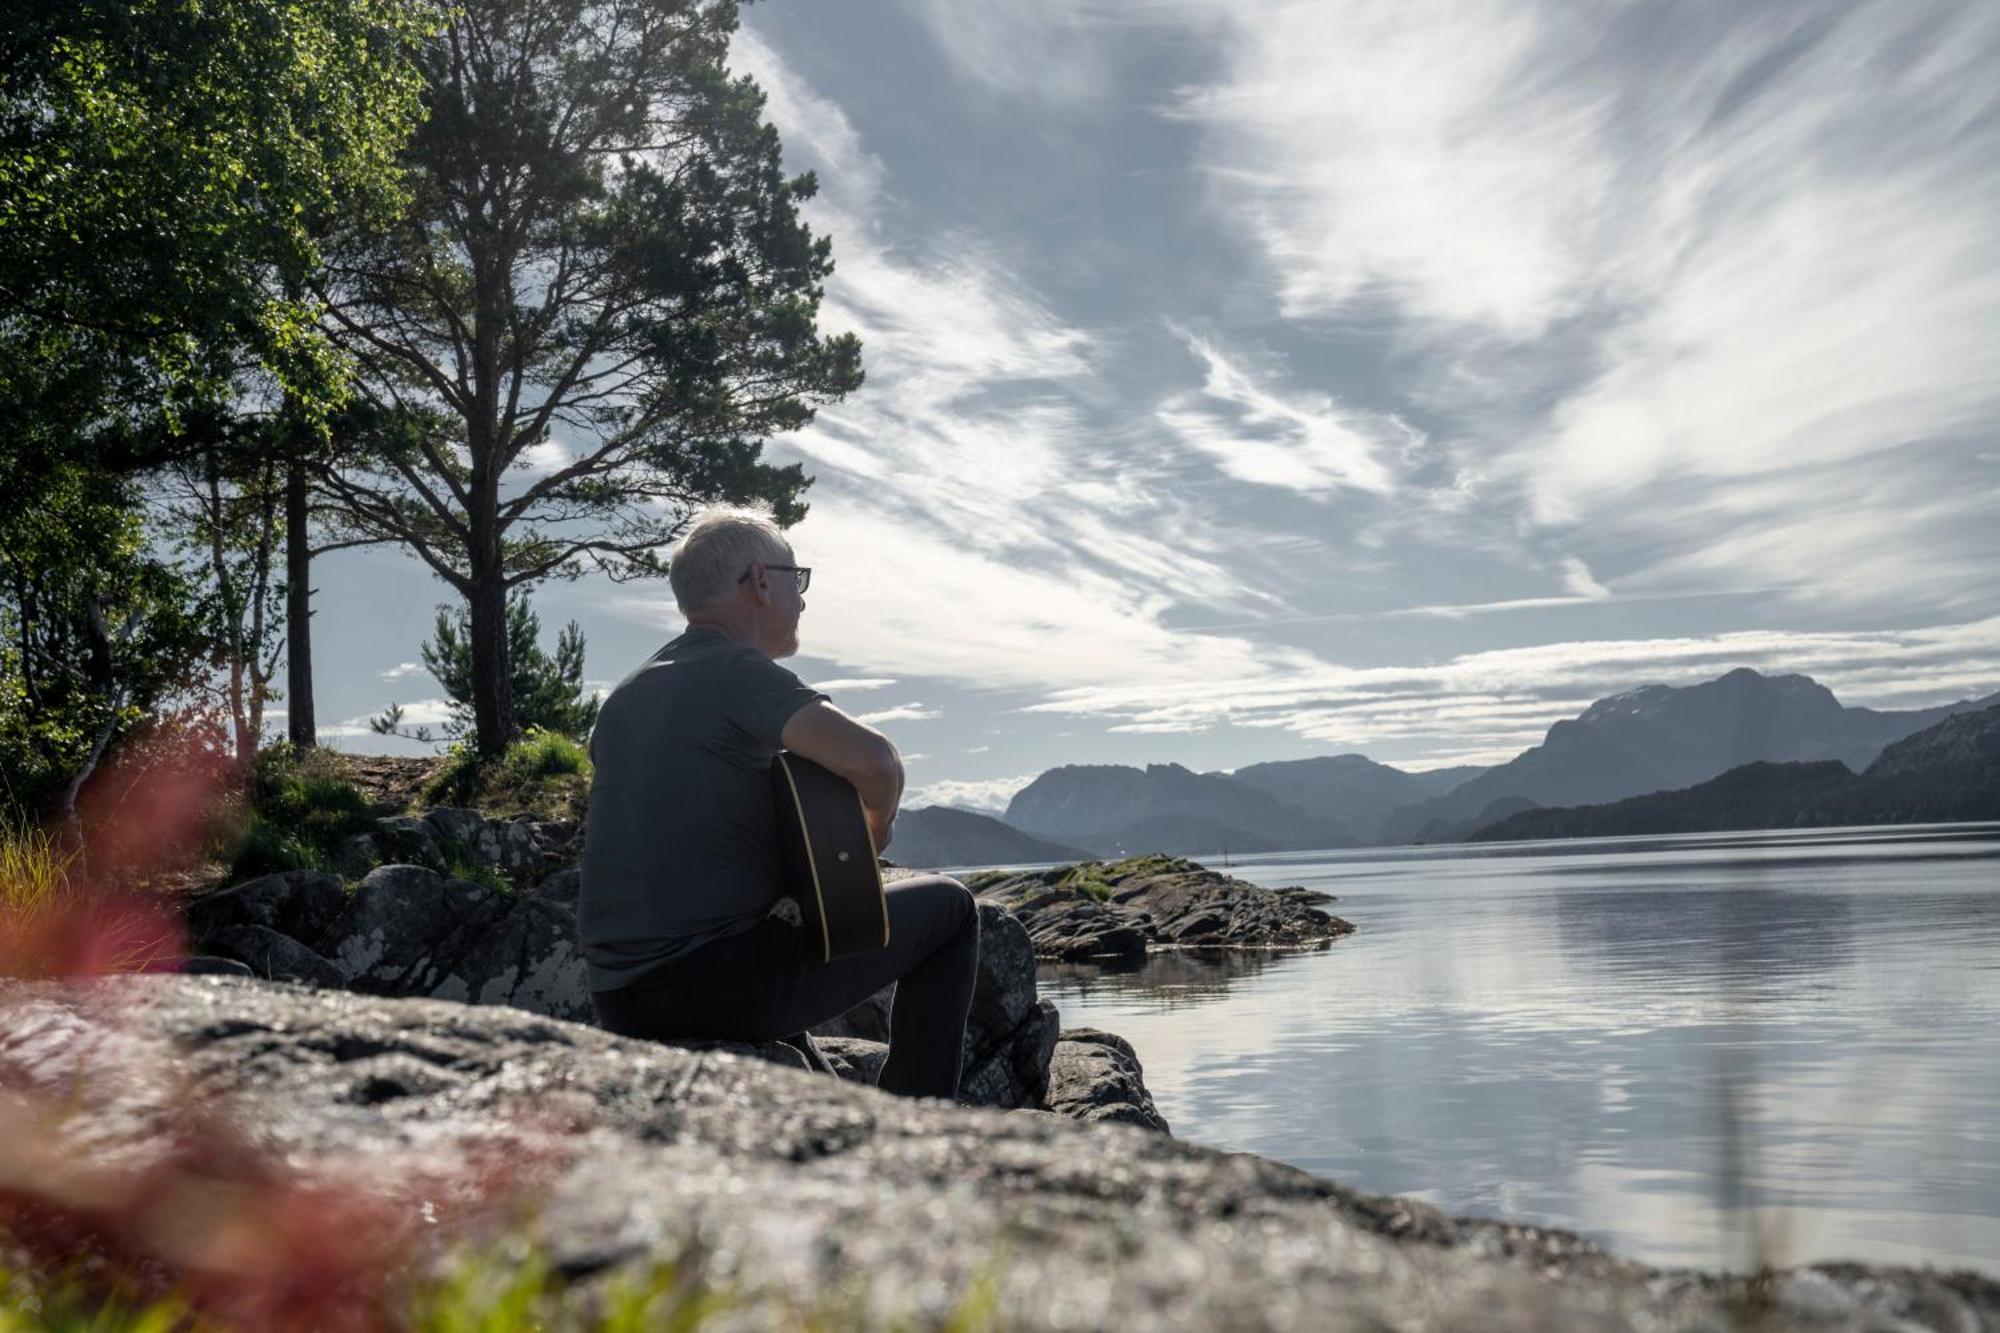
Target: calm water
(1667, 1044)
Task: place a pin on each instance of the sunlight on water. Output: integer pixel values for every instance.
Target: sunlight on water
(1557, 1032)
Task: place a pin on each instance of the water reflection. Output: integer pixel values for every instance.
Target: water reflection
(1169, 981)
(1557, 1036)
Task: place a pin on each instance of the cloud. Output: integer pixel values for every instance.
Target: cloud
(1477, 704)
(400, 670)
(984, 794)
(421, 712)
(855, 683)
(901, 713)
(1711, 296)
(1261, 436)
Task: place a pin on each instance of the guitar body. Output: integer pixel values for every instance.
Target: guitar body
(828, 857)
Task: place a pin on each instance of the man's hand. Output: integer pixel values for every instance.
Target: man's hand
(865, 757)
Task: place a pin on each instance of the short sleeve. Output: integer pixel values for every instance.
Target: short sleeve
(760, 696)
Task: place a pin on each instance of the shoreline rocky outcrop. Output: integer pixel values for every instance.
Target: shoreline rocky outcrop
(409, 930)
(789, 1189)
(1122, 910)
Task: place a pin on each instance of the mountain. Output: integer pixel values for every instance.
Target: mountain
(1107, 806)
(1948, 771)
(1661, 737)
(1350, 789)
(935, 835)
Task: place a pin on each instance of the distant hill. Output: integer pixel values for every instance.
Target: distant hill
(1164, 808)
(936, 835)
(1948, 771)
(1352, 790)
(1661, 738)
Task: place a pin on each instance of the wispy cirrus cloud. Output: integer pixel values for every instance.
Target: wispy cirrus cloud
(1744, 257)
(1262, 435)
(1496, 702)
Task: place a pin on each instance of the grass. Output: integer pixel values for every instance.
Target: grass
(34, 872)
(500, 1287)
(298, 809)
(544, 774)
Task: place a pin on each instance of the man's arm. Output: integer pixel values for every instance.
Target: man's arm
(861, 754)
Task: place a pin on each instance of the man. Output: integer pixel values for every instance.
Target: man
(680, 864)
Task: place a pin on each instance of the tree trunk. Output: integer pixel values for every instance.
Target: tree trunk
(492, 697)
(299, 723)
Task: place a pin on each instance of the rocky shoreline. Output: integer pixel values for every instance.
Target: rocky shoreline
(788, 1188)
(431, 1004)
(1123, 910)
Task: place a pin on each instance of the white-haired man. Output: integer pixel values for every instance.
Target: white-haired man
(680, 862)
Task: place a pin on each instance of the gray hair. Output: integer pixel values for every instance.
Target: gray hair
(716, 551)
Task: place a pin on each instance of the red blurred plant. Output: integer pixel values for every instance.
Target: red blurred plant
(207, 1218)
(87, 901)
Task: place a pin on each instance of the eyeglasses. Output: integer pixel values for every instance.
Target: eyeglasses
(804, 573)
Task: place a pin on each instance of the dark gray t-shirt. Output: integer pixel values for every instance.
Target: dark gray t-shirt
(681, 843)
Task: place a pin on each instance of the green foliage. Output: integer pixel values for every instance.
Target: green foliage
(299, 810)
(95, 630)
(680, 335)
(543, 774)
(547, 688)
(544, 754)
(164, 167)
(34, 871)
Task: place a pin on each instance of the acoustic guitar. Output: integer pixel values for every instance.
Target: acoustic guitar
(829, 858)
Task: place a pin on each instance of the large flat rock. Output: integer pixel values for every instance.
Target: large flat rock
(789, 1182)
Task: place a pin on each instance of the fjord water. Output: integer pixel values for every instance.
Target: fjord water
(1713, 1050)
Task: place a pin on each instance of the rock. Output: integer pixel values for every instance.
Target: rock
(1095, 1076)
(561, 887)
(853, 1059)
(1115, 911)
(357, 854)
(453, 823)
(408, 840)
(787, 1190)
(406, 927)
(271, 955)
(1080, 929)
(210, 965)
(300, 903)
(508, 846)
(528, 959)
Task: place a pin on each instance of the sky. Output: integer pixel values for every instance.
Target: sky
(1256, 381)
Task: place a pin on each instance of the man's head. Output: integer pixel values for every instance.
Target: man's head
(733, 571)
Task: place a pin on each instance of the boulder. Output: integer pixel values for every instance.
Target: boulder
(529, 959)
(408, 840)
(1116, 911)
(798, 1195)
(300, 903)
(854, 1059)
(561, 887)
(1095, 1076)
(407, 926)
(271, 955)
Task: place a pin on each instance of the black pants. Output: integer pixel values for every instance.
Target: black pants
(766, 983)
